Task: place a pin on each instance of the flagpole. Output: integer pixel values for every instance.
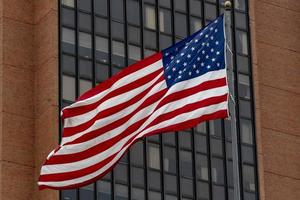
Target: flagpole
(232, 111)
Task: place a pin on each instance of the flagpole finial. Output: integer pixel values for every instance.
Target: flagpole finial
(227, 5)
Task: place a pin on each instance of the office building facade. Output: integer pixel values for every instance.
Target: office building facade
(53, 51)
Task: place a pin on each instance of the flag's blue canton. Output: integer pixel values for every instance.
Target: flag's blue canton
(195, 55)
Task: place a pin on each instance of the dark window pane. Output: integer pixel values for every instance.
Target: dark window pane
(170, 197)
(117, 10)
(229, 149)
(165, 41)
(121, 173)
(247, 154)
(227, 124)
(134, 53)
(243, 64)
(186, 164)
(229, 173)
(154, 180)
(201, 167)
(104, 190)
(68, 90)
(240, 20)
(154, 138)
(240, 4)
(249, 196)
(68, 17)
(84, 5)
(138, 194)
(216, 146)
(170, 159)
(165, 21)
(169, 138)
(245, 108)
(218, 192)
(201, 128)
(196, 24)
(150, 39)
(215, 128)
(248, 178)
(68, 195)
(203, 191)
(87, 192)
(101, 26)
(180, 5)
(185, 139)
(246, 131)
(170, 184)
(133, 12)
(210, 11)
(149, 52)
(117, 30)
(138, 176)
(84, 85)
(187, 187)
(85, 69)
(124, 158)
(100, 7)
(154, 195)
(200, 143)
(165, 3)
(195, 7)
(121, 192)
(118, 54)
(84, 22)
(102, 72)
(217, 171)
(68, 40)
(134, 35)
(244, 86)
(137, 154)
(68, 64)
(180, 25)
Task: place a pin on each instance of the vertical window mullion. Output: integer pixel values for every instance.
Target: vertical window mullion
(209, 156)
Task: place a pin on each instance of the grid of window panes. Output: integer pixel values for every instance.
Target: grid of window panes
(100, 37)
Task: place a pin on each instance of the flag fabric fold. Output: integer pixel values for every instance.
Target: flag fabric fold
(172, 90)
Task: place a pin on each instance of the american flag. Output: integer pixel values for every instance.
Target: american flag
(175, 89)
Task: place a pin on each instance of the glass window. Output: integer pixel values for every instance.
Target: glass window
(165, 41)
(243, 64)
(133, 12)
(165, 23)
(170, 197)
(154, 195)
(100, 7)
(68, 194)
(247, 154)
(187, 187)
(244, 86)
(248, 178)
(201, 167)
(242, 42)
(246, 131)
(84, 21)
(180, 5)
(196, 24)
(102, 72)
(218, 192)
(121, 192)
(104, 190)
(101, 49)
(118, 51)
(170, 159)
(154, 156)
(210, 11)
(165, 3)
(138, 194)
(134, 53)
(154, 180)
(85, 69)
(169, 138)
(216, 146)
(230, 173)
(85, 45)
(180, 25)
(117, 10)
(134, 35)
(217, 171)
(201, 128)
(121, 173)
(69, 3)
(240, 20)
(137, 154)
(215, 128)
(87, 192)
(149, 18)
(84, 85)
(186, 164)
(68, 64)
(150, 39)
(240, 4)
(149, 52)
(68, 40)
(84, 5)
(245, 108)
(68, 17)
(138, 176)
(171, 183)
(68, 90)
(101, 26)
(117, 30)
(203, 190)
(185, 139)
(195, 8)
(200, 143)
